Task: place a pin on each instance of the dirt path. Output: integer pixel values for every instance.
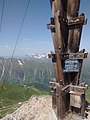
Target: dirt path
(38, 108)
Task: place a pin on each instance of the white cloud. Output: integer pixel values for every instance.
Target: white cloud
(22, 48)
(25, 39)
(6, 46)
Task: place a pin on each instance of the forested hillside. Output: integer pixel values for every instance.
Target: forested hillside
(25, 71)
(33, 71)
(85, 77)
(32, 76)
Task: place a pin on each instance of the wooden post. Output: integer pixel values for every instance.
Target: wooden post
(54, 100)
(66, 27)
(60, 103)
(83, 106)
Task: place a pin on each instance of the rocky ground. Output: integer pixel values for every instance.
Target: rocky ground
(38, 108)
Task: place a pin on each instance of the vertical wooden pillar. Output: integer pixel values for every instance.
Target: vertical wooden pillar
(83, 106)
(54, 100)
(60, 103)
(66, 34)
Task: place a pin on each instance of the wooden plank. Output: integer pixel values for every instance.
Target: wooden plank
(66, 39)
(53, 98)
(77, 20)
(77, 56)
(77, 89)
(53, 92)
(83, 107)
(73, 22)
(75, 100)
(57, 40)
(72, 8)
(59, 103)
(69, 8)
(74, 34)
(65, 89)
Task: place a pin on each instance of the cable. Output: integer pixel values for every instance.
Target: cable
(19, 32)
(2, 15)
(17, 39)
(20, 28)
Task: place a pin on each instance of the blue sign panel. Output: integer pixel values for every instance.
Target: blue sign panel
(71, 66)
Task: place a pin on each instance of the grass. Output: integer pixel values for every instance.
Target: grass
(11, 95)
(88, 94)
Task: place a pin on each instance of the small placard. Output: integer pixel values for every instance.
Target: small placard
(71, 66)
(75, 100)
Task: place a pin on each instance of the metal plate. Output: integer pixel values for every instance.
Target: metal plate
(71, 66)
(75, 101)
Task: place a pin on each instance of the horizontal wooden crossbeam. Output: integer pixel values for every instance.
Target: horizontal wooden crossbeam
(73, 21)
(77, 56)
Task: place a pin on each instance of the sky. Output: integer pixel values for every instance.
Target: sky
(34, 36)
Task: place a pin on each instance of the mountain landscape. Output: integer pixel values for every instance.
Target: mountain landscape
(20, 78)
(28, 70)
(32, 69)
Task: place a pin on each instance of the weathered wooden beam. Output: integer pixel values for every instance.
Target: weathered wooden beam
(75, 99)
(74, 21)
(77, 102)
(57, 40)
(78, 88)
(77, 20)
(54, 105)
(77, 56)
(65, 89)
(59, 103)
(72, 8)
(51, 2)
(53, 85)
(83, 105)
(66, 27)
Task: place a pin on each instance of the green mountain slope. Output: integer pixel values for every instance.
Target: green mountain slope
(28, 71)
(12, 95)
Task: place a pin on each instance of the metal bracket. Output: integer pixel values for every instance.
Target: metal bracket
(77, 55)
(51, 25)
(53, 85)
(77, 20)
(74, 21)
